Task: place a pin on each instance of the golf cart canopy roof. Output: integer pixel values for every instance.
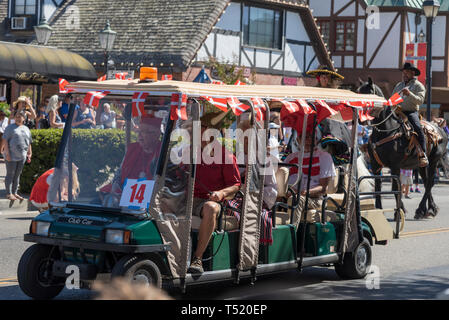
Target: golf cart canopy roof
(196, 90)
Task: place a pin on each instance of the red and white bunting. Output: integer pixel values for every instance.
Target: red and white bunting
(219, 103)
(394, 100)
(93, 98)
(217, 82)
(167, 77)
(138, 102)
(290, 107)
(259, 108)
(121, 75)
(62, 86)
(305, 106)
(237, 107)
(102, 78)
(178, 106)
(239, 83)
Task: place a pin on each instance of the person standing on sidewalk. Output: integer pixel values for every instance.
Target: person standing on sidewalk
(16, 149)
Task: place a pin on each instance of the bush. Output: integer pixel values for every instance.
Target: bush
(97, 147)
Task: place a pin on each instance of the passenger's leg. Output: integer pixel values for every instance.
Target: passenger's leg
(313, 203)
(209, 212)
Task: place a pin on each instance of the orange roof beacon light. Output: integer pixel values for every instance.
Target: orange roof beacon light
(148, 74)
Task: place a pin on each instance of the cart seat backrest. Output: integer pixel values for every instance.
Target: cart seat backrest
(282, 181)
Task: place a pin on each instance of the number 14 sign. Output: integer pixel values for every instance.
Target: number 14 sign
(137, 193)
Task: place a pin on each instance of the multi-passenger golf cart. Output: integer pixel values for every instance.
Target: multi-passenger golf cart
(147, 232)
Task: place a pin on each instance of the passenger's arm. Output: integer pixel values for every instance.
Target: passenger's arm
(226, 193)
(318, 190)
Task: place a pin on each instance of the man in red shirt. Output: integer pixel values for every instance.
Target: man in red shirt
(214, 183)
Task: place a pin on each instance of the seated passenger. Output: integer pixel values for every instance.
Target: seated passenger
(322, 171)
(213, 184)
(269, 194)
(139, 161)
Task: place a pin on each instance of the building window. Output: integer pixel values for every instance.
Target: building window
(262, 27)
(344, 35)
(324, 26)
(25, 7)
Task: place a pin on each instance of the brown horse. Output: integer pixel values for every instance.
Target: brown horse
(389, 133)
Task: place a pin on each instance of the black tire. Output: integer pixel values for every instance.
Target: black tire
(34, 273)
(355, 264)
(138, 269)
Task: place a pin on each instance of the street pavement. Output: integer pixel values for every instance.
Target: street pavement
(413, 267)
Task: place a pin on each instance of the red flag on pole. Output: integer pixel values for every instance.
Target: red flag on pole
(219, 103)
(394, 100)
(138, 102)
(62, 85)
(178, 106)
(121, 75)
(237, 107)
(260, 108)
(93, 98)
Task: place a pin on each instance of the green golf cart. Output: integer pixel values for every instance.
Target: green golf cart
(133, 218)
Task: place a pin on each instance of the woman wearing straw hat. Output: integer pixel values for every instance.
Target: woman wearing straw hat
(23, 104)
(326, 77)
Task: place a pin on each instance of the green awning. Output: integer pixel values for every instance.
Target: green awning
(30, 63)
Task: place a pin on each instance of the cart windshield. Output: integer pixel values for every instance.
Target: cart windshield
(112, 153)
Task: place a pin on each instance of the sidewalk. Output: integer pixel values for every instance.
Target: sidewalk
(5, 204)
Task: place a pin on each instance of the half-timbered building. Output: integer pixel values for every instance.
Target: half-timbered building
(369, 38)
(277, 40)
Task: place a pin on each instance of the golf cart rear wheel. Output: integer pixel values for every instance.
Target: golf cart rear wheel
(355, 264)
(138, 269)
(34, 273)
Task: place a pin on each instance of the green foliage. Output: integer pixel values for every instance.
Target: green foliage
(4, 107)
(97, 153)
(44, 146)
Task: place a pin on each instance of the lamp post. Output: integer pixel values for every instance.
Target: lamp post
(430, 8)
(107, 38)
(43, 32)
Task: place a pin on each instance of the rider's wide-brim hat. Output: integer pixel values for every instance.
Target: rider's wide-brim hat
(325, 70)
(409, 66)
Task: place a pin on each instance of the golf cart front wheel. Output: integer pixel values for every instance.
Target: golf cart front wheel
(138, 269)
(355, 264)
(34, 273)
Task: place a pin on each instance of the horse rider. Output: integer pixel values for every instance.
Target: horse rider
(413, 93)
(326, 77)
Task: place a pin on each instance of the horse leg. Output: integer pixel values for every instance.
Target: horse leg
(378, 188)
(395, 186)
(433, 208)
(421, 211)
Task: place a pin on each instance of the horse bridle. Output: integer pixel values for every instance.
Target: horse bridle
(384, 140)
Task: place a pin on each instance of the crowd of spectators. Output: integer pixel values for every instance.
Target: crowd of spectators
(53, 112)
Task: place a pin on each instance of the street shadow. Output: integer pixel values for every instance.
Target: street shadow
(272, 283)
(14, 292)
(21, 218)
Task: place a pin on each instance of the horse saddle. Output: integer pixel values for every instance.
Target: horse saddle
(433, 136)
